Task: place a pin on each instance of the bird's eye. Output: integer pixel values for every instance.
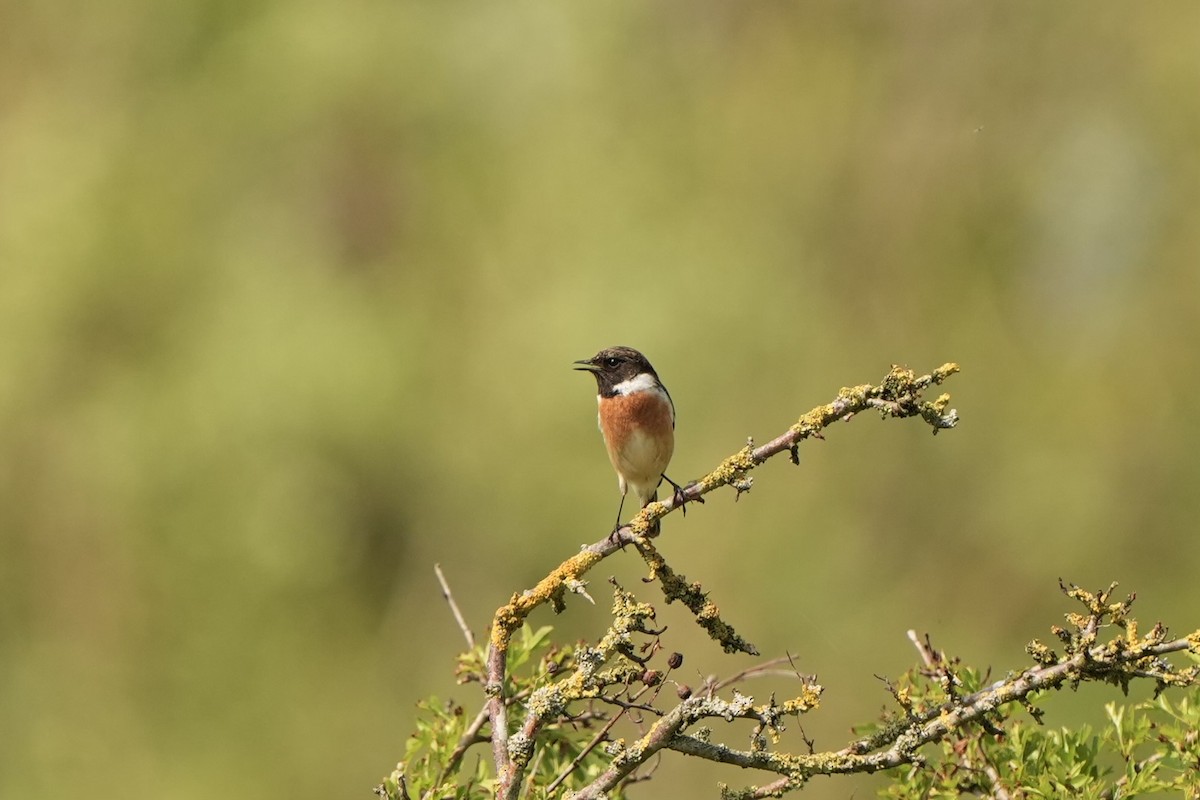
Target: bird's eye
(611, 361)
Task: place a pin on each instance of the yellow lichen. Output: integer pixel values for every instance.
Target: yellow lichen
(945, 371)
(509, 617)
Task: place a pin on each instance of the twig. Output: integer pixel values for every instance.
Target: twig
(532, 771)
(638, 777)
(898, 395)
(937, 664)
(667, 732)
(993, 776)
(469, 738)
(462, 623)
(928, 656)
(757, 671)
(625, 705)
(596, 740)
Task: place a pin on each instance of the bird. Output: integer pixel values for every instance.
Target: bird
(637, 420)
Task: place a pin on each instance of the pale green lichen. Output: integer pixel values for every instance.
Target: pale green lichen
(675, 587)
(520, 748)
(590, 676)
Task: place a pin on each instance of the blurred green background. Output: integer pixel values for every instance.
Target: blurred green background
(290, 292)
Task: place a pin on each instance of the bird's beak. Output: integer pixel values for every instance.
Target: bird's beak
(586, 365)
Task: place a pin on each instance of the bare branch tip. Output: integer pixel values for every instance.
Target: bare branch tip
(454, 609)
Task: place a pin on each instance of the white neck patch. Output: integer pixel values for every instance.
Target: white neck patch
(641, 382)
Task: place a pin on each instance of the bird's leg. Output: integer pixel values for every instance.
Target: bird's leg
(617, 525)
(677, 498)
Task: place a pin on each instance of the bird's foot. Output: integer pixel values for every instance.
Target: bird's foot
(679, 499)
(615, 537)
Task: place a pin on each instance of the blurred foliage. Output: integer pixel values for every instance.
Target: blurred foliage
(289, 293)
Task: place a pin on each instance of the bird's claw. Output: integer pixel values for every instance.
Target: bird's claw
(615, 537)
(679, 499)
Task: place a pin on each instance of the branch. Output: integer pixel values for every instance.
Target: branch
(1116, 662)
(942, 708)
(454, 609)
(939, 666)
(667, 731)
(899, 395)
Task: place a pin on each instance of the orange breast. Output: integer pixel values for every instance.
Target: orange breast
(639, 435)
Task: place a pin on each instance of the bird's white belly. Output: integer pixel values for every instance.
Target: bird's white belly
(641, 463)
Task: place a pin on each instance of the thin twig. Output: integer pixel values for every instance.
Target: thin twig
(625, 705)
(758, 671)
(928, 656)
(470, 737)
(575, 762)
(638, 777)
(993, 776)
(462, 623)
(532, 771)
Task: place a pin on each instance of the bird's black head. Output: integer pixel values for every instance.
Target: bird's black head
(615, 365)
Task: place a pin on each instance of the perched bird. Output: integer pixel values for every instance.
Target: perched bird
(637, 420)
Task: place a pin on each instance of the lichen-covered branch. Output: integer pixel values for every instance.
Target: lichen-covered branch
(615, 679)
(692, 595)
(667, 732)
(614, 663)
(899, 395)
(542, 714)
(1118, 661)
(1121, 659)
